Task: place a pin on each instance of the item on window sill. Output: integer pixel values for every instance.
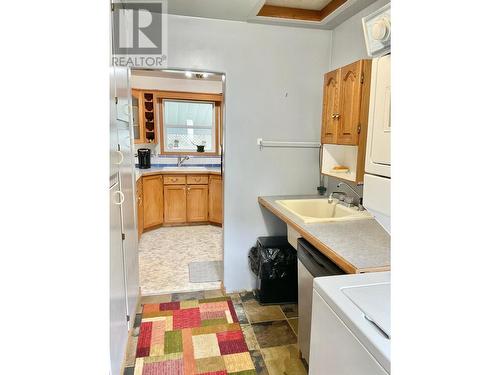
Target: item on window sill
(200, 148)
(340, 169)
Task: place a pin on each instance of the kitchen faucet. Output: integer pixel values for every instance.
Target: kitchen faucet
(360, 203)
(181, 160)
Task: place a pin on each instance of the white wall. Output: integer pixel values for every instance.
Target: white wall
(175, 84)
(274, 91)
(348, 45)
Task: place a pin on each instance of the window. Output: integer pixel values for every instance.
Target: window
(188, 124)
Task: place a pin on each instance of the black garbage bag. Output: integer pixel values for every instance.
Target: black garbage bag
(272, 263)
(253, 258)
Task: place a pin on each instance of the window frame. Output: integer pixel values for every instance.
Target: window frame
(193, 97)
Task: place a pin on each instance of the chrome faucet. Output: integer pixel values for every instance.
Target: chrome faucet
(332, 196)
(181, 160)
(360, 201)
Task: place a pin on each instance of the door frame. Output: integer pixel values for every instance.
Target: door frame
(222, 129)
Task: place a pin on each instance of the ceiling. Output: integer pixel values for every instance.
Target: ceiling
(301, 4)
(320, 14)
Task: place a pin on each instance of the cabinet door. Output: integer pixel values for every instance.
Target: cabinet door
(331, 106)
(197, 203)
(350, 103)
(140, 208)
(117, 293)
(175, 204)
(215, 199)
(137, 118)
(152, 191)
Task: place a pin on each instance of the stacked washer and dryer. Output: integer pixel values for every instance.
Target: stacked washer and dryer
(350, 324)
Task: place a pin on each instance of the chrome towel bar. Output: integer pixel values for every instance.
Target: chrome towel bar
(262, 143)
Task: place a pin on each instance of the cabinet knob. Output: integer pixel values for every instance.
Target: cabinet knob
(335, 115)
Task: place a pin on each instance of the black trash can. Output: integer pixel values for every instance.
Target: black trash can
(274, 262)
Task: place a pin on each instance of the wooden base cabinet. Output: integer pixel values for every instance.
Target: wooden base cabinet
(197, 203)
(175, 204)
(152, 189)
(215, 199)
(178, 199)
(140, 208)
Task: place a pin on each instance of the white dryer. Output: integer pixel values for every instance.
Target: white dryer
(350, 329)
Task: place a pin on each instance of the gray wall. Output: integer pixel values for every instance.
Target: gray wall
(348, 45)
(274, 80)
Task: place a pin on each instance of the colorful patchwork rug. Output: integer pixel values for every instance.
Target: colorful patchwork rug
(198, 337)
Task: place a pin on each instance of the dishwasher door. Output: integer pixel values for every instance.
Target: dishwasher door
(311, 263)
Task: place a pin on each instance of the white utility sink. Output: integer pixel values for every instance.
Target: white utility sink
(319, 210)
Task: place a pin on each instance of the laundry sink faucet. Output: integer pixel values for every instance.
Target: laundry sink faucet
(360, 203)
(332, 196)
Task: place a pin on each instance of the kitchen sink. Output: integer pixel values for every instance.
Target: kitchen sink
(319, 210)
(184, 169)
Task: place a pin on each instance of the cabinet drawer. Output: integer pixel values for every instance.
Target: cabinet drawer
(197, 180)
(174, 180)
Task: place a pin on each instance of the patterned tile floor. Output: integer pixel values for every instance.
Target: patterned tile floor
(270, 332)
(165, 253)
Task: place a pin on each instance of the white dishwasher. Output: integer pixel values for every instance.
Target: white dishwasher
(350, 329)
(311, 263)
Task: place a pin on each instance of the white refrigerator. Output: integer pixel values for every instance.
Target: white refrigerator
(123, 255)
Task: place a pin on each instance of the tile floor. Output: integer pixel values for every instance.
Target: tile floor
(164, 255)
(270, 332)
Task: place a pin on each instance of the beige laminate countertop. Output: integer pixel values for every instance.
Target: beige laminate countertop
(355, 246)
(176, 170)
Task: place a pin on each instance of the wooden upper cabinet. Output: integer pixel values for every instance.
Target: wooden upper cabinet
(215, 199)
(197, 203)
(152, 191)
(175, 204)
(330, 106)
(344, 100)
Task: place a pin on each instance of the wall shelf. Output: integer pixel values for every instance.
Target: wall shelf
(342, 155)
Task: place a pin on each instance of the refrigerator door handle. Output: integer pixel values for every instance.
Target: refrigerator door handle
(120, 154)
(122, 197)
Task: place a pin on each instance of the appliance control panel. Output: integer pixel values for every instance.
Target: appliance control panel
(377, 30)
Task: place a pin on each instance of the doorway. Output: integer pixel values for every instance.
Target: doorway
(178, 122)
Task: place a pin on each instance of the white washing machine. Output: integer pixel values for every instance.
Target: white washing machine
(350, 329)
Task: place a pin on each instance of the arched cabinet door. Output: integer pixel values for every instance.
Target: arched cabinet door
(349, 124)
(331, 106)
